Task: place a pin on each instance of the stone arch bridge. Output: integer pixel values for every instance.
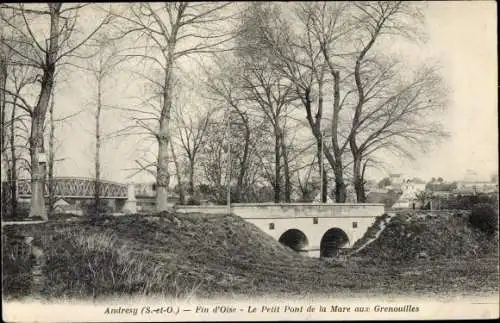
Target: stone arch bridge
(315, 229)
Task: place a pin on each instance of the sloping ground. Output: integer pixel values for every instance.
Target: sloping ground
(372, 233)
(416, 235)
(167, 254)
(206, 255)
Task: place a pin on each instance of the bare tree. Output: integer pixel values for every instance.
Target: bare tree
(326, 26)
(169, 32)
(44, 52)
(297, 59)
(336, 44)
(389, 112)
(215, 159)
(272, 97)
(307, 187)
(191, 131)
(226, 87)
(266, 88)
(17, 81)
(101, 66)
(402, 121)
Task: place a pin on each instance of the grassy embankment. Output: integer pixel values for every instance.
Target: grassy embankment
(178, 255)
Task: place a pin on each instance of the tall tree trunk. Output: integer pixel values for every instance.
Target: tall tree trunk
(12, 168)
(50, 164)
(322, 174)
(337, 165)
(182, 195)
(355, 149)
(3, 104)
(286, 168)
(315, 125)
(191, 177)
(288, 182)
(363, 191)
(359, 186)
(162, 173)
(243, 163)
(38, 166)
(37, 207)
(338, 168)
(244, 159)
(321, 143)
(97, 182)
(340, 187)
(4, 154)
(277, 167)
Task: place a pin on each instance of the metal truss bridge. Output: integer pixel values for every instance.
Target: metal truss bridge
(76, 187)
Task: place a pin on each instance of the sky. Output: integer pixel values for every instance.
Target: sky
(462, 36)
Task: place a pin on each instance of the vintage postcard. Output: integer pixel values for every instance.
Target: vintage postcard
(249, 161)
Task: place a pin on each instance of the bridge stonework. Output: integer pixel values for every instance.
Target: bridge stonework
(307, 228)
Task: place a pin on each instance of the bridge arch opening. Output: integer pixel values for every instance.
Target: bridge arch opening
(294, 239)
(331, 243)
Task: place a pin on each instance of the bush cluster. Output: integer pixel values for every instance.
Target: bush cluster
(484, 217)
(467, 202)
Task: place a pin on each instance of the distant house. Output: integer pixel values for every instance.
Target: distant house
(61, 205)
(409, 190)
(64, 206)
(476, 187)
(472, 183)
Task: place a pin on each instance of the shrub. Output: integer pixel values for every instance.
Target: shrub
(89, 209)
(193, 201)
(16, 267)
(484, 217)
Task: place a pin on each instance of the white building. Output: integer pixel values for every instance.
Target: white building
(409, 191)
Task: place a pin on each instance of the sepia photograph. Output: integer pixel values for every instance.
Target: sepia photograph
(249, 161)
